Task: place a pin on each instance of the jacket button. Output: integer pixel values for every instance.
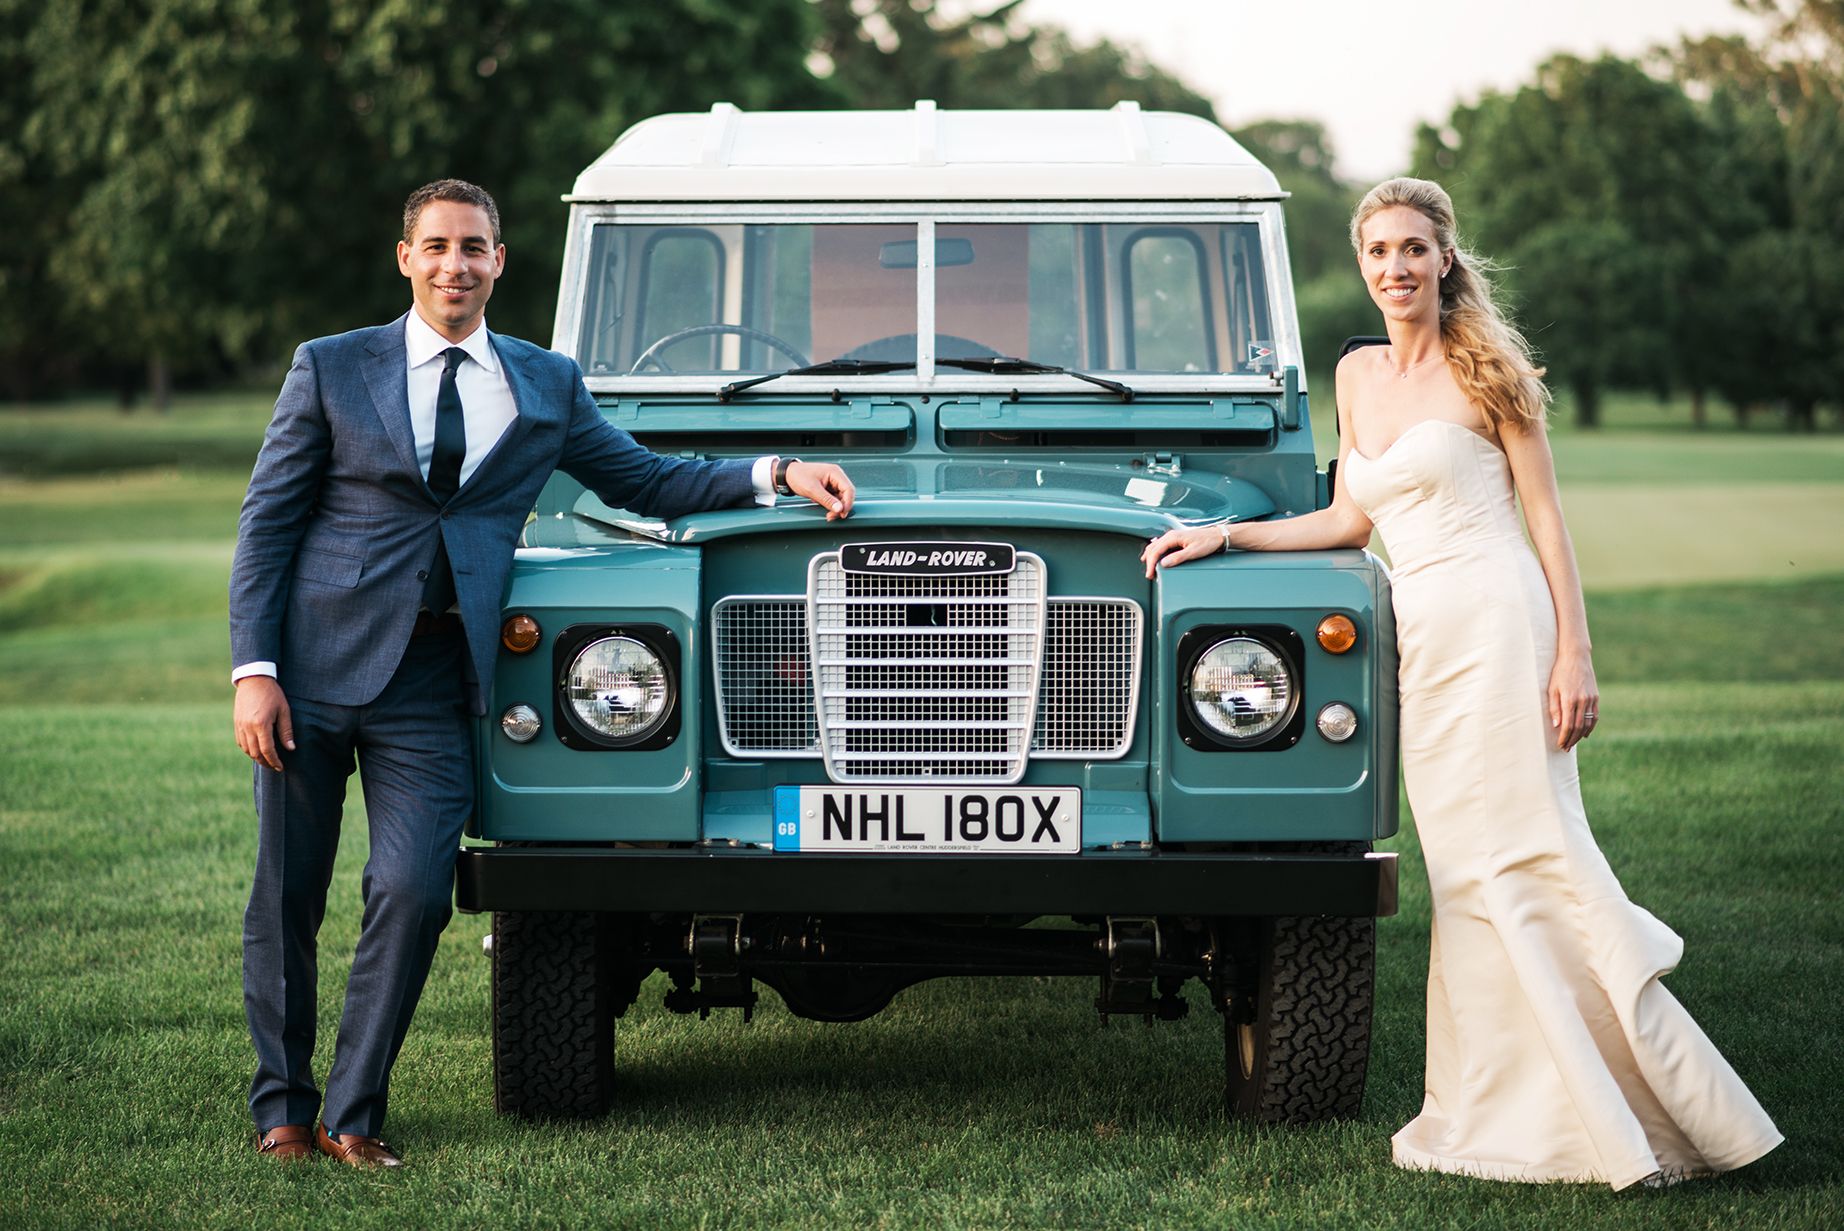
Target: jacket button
(422, 574)
(446, 516)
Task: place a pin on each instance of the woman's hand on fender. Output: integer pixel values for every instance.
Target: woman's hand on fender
(1177, 546)
(1574, 698)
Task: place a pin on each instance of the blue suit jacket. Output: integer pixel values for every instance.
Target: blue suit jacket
(338, 527)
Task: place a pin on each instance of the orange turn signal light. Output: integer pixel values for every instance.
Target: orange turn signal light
(1337, 634)
(520, 634)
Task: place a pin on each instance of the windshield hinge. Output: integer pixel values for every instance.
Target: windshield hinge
(1168, 464)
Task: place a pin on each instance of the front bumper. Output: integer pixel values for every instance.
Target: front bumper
(560, 878)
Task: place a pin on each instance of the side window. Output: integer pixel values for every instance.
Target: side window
(681, 286)
(1170, 327)
(1251, 338)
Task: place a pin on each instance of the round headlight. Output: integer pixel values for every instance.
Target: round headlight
(1242, 690)
(520, 723)
(618, 688)
(1337, 722)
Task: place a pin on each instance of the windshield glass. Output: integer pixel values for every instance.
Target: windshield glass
(1098, 297)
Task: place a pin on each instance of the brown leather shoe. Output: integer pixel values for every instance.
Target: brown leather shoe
(291, 1142)
(356, 1151)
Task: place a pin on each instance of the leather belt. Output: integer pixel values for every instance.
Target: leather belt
(428, 623)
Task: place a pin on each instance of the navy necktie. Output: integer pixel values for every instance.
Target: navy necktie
(450, 431)
(445, 476)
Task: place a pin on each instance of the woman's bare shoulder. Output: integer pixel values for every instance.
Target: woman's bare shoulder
(1356, 370)
(1360, 362)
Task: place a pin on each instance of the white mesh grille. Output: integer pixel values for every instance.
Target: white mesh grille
(764, 678)
(925, 679)
(1091, 679)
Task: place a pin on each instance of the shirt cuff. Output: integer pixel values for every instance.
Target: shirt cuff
(762, 478)
(255, 668)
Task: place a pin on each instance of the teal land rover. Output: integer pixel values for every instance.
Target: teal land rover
(959, 733)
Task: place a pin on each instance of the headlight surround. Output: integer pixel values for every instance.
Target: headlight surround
(617, 686)
(1242, 688)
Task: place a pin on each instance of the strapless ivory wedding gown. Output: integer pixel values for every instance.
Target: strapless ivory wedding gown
(1554, 1053)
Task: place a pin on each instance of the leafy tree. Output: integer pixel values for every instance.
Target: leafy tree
(889, 53)
(1319, 209)
(34, 209)
(1589, 184)
(1333, 307)
(1772, 319)
(237, 165)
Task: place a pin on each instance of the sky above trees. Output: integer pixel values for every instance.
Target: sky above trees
(1372, 72)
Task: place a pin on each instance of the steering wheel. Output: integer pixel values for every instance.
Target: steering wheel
(651, 354)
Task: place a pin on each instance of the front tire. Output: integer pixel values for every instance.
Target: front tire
(553, 1018)
(1297, 1034)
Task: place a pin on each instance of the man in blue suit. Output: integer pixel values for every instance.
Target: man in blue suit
(372, 552)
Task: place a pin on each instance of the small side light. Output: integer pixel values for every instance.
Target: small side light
(1337, 634)
(520, 723)
(1337, 722)
(520, 634)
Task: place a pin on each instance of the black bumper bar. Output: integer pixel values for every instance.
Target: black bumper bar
(551, 878)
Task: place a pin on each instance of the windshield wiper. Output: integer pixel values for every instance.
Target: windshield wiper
(997, 365)
(1002, 365)
(831, 367)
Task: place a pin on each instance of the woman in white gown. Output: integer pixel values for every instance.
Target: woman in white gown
(1554, 1053)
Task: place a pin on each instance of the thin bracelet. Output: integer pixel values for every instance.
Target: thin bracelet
(1223, 529)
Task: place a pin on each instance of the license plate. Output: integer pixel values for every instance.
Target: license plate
(1038, 821)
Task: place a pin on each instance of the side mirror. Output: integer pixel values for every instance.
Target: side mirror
(901, 253)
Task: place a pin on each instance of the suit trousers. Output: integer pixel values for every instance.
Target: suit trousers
(415, 761)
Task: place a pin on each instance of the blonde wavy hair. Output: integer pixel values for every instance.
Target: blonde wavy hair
(1489, 358)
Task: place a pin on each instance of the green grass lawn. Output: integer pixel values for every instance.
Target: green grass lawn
(1716, 785)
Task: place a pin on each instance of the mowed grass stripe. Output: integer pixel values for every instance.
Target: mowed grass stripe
(121, 510)
(1676, 534)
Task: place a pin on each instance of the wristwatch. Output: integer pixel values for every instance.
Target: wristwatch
(781, 475)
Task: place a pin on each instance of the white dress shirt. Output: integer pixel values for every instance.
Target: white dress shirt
(487, 409)
(486, 399)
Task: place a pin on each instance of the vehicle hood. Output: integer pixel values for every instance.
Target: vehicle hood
(1142, 500)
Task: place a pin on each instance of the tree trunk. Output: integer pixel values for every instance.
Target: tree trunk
(1587, 404)
(160, 383)
(1699, 410)
(127, 388)
(1802, 416)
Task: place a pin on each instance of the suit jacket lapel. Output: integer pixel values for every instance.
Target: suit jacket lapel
(524, 404)
(387, 380)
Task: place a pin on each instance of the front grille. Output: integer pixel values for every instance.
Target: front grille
(1087, 690)
(925, 679)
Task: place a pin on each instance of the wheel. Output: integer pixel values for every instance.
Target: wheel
(553, 1015)
(1296, 1036)
(651, 354)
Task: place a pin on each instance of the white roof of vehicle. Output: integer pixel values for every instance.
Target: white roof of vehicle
(925, 155)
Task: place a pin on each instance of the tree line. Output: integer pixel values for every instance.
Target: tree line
(188, 187)
(1672, 224)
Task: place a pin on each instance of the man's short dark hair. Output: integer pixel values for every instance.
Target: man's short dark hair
(448, 190)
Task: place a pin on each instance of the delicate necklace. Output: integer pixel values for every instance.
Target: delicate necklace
(1403, 373)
